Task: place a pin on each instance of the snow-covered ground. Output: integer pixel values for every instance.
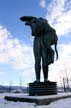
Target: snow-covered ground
(63, 103)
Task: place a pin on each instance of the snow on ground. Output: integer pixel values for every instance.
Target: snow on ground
(63, 103)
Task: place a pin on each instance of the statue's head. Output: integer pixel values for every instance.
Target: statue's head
(34, 23)
(28, 19)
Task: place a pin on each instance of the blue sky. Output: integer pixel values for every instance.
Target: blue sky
(16, 42)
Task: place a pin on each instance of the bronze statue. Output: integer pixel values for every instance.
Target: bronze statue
(44, 37)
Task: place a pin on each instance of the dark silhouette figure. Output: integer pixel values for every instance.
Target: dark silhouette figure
(44, 37)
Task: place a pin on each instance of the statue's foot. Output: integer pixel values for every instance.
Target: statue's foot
(36, 81)
(46, 81)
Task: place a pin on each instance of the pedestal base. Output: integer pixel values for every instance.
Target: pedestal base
(38, 100)
(42, 88)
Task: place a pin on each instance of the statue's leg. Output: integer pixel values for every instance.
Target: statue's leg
(45, 73)
(37, 71)
(37, 56)
(45, 63)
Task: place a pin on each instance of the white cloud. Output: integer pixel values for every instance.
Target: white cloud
(43, 3)
(65, 52)
(13, 52)
(59, 16)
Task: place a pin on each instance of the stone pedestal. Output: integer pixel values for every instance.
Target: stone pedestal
(42, 88)
(38, 100)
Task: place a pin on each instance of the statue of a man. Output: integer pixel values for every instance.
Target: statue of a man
(44, 37)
